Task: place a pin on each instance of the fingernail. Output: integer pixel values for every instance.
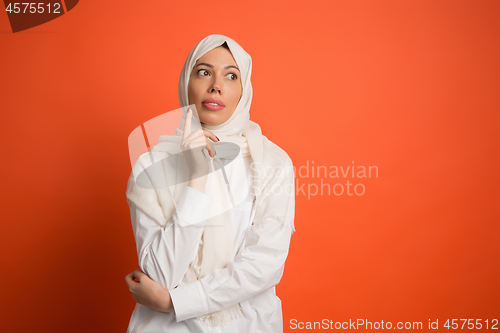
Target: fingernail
(217, 137)
(188, 110)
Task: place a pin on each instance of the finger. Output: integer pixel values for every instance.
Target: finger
(210, 147)
(210, 135)
(129, 279)
(187, 123)
(197, 138)
(137, 274)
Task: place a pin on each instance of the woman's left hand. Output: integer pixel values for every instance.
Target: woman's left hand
(148, 292)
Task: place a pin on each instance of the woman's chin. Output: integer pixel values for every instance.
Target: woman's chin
(211, 122)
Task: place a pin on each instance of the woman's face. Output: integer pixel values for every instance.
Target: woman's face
(215, 86)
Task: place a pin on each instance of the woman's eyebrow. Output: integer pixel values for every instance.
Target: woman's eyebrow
(211, 66)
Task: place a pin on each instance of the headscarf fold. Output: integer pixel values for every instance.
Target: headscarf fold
(160, 176)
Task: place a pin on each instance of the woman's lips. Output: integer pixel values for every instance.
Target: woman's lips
(213, 107)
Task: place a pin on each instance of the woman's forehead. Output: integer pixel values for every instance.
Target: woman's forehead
(217, 56)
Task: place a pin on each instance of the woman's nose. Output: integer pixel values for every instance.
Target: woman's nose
(216, 86)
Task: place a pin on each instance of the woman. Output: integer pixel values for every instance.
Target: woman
(212, 246)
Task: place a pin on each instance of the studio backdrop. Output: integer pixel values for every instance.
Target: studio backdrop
(389, 110)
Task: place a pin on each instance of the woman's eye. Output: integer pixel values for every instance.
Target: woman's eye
(202, 70)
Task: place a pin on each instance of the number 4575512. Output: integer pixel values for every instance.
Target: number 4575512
(471, 324)
(33, 8)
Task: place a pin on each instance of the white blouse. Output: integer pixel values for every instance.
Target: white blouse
(258, 263)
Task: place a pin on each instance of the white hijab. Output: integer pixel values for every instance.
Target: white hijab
(273, 178)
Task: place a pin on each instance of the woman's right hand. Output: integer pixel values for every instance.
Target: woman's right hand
(192, 145)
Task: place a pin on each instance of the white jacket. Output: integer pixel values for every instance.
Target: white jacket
(258, 264)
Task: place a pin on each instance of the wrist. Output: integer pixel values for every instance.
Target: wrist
(166, 304)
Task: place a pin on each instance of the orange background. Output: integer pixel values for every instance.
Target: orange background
(408, 86)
